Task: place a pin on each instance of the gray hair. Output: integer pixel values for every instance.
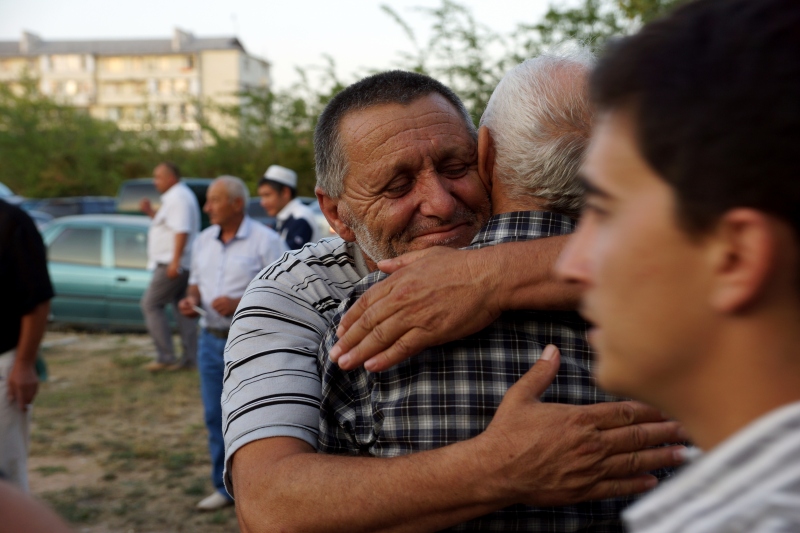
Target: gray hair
(392, 87)
(235, 188)
(540, 119)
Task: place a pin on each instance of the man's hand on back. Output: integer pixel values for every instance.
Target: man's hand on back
(562, 454)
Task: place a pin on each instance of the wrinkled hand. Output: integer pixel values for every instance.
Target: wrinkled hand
(186, 307)
(224, 305)
(556, 454)
(23, 383)
(433, 296)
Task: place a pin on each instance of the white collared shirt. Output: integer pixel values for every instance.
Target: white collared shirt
(748, 484)
(179, 213)
(225, 269)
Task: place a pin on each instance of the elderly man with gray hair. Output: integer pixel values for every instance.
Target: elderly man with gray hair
(225, 257)
(530, 146)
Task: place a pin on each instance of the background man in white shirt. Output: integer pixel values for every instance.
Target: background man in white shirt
(225, 257)
(169, 243)
(689, 254)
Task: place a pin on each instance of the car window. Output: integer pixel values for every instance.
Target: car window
(130, 194)
(80, 246)
(59, 207)
(130, 248)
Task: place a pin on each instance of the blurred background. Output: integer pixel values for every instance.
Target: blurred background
(93, 92)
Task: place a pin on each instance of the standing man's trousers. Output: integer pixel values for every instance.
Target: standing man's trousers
(14, 431)
(161, 292)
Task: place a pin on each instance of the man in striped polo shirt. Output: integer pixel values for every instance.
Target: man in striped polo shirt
(689, 254)
(396, 155)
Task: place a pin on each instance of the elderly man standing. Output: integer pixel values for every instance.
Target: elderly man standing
(169, 243)
(396, 154)
(530, 146)
(225, 257)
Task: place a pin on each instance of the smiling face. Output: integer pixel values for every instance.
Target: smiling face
(645, 280)
(412, 179)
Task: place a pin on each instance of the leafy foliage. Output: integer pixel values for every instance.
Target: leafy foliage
(50, 149)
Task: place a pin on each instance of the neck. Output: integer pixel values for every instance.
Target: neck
(229, 229)
(502, 202)
(750, 371)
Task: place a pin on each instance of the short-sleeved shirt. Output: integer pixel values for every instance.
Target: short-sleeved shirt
(179, 213)
(451, 392)
(748, 483)
(24, 281)
(297, 225)
(271, 386)
(225, 269)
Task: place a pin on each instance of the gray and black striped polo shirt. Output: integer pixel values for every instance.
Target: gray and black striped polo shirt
(271, 387)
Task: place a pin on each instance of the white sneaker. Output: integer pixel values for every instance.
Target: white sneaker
(213, 502)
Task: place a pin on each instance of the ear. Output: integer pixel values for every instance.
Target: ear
(745, 257)
(486, 157)
(330, 208)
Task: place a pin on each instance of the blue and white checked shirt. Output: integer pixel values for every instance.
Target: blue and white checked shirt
(450, 393)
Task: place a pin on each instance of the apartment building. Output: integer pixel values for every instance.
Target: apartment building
(140, 83)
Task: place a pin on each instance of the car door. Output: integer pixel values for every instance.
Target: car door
(131, 277)
(81, 283)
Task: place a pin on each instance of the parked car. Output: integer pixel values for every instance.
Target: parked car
(71, 205)
(39, 218)
(97, 265)
(8, 195)
(133, 191)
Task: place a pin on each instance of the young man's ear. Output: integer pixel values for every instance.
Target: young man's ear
(486, 155)
(746, 257)
(330, 208)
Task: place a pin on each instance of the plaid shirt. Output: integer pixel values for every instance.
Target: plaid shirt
(450, 393)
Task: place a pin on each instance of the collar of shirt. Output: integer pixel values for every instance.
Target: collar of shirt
(748, 460)
(522, 226)
(172, 191)
(289, 209)
(241, 233)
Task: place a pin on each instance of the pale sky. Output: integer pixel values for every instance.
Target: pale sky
(356, 33)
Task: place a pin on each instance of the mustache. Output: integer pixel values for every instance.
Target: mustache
(461, 215)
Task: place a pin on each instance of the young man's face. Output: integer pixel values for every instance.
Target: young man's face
(642, 275)
(271, 200)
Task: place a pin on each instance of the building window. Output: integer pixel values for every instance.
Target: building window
(114, 113)
(67, 63)
(180, 86)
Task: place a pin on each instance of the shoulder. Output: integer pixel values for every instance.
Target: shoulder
(328, 257)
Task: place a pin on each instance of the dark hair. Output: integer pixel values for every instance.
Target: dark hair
(714, 91)
(172, 168)
(277, 187)
(392, 87)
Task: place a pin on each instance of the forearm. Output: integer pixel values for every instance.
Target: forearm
(32, 327)
(533, 284)
(180, 243)
(427, 491)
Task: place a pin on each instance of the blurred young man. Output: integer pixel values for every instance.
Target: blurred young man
(295, 221)
(689, 257)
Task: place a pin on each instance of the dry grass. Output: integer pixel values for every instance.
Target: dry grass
(114, 448)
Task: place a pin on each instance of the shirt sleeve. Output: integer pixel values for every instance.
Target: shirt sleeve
(179, 214)
(194, 269)
(32, 284)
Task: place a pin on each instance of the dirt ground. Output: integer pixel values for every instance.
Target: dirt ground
(115, 448)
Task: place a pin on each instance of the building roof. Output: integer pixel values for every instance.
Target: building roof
(182, 42)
